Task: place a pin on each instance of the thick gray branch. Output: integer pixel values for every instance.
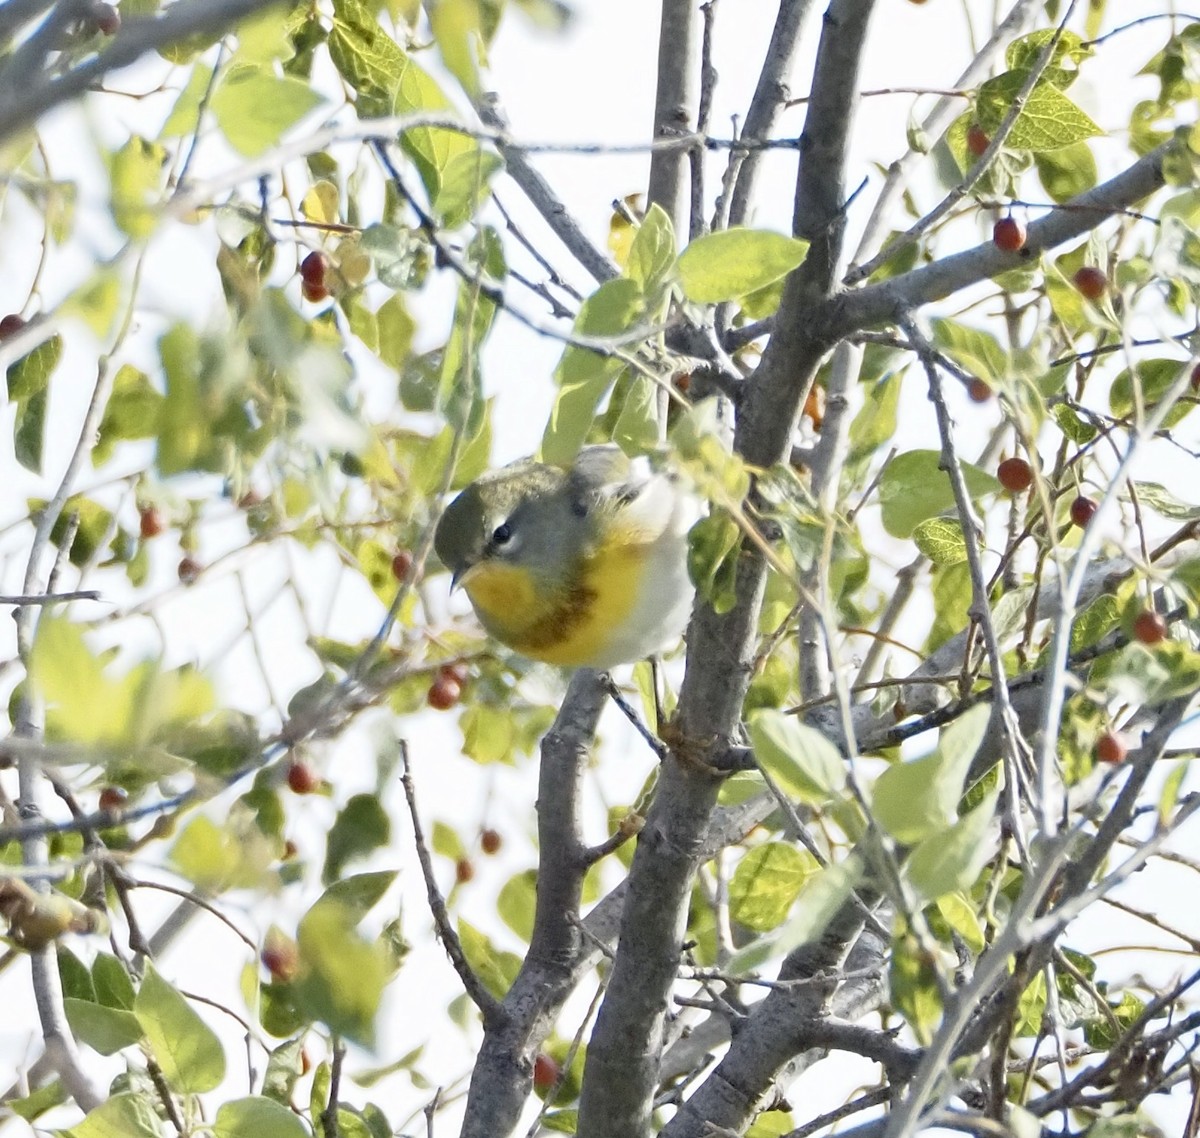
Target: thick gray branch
(770, 95)
(503, 1074)
(885, 302)
(674, 108)
(624, 1055)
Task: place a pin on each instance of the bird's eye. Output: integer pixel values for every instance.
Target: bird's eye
(503, 534)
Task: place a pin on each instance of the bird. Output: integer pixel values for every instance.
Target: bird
(581, 567)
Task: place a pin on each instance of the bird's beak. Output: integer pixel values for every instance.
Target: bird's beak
(460, 573)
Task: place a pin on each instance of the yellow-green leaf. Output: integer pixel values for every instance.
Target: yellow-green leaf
(734, 262)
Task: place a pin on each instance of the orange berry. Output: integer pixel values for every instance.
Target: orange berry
(113, 798)
(545, 1073)
(1110, 748)
(150, 522)
(977, 140)
(979, 391)
(302, 779)
(1008, 234)
(1015, 474)
(1091, 282)
(402, 562)
(1082, 510)
(490, 841)
(1149, 627)
(444, 693)
(189, 569)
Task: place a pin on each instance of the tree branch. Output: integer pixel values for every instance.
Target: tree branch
(503, 1072)
(623, 1058)
(23, 104)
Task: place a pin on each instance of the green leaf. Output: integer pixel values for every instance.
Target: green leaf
(1154, 379)
(766, 882)
(1095, 622)
(636, 428)
(584, 376)
(1048, 120)
(457, 26)
(121, 1116)
(358, 895)
(822, 896)
(497, 970)
(652, 255)
(136, 171)
(254, 108)
(1077, 430)
(913, 488)
(875, 423)
(28, 381)
(257, 1117)
(185, 114)
(1102, 1033)
(361, 827)
(733, 262)
(107, 1030)
(1067, 172)
(218, 857)
(802, 760)
(977, 351)
(941, 540)
(771, 1124)
(517, 901)
(112, 985)
(342, 975)
(957, 911)
(1150, 676)
(917, 799)
(950, 860)
(912, 980)
(83, 703)
(187, 1049)
(714, 543)
(1158, 498)
(133, 411)
(489, 733)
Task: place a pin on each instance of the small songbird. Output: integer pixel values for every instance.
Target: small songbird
(585, 567)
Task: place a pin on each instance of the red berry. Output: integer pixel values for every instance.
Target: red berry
(1015, 474)
(1149, 627)
(313, 292)
(683, 382)
(464, 870)
(189, 569)
(106, 18)
(302, 779)
(456, 671)
(249, 500)
(280, 958)
(977, 140)
(490, 841)
(1091, 282)
(10, 325)
(979, 391)
(1082, 510)
(313, 269)
(305, 1061)
(1195, 376)
(290, 850)
(1109, 748)
(545, 1073)
(113, 798)
(150, 521)
(1008, 234)
(402, 562)
(444, 693)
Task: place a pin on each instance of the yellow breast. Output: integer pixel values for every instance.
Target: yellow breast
(572, 626)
